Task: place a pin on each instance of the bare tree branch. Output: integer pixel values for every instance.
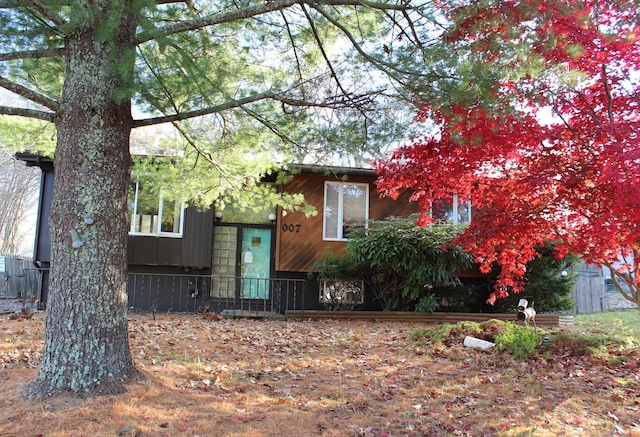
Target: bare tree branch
(42, 9)
(18, 194)
(28, 94)
(32, 54)
(335, 102)
(30, 113)
(252, 11)
(171, 2)
(271, 126)
(322, 51)
(205, 111)
(387, 67)
(294, 46)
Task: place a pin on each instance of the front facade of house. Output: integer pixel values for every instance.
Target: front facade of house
(187, 259)
(342, 198)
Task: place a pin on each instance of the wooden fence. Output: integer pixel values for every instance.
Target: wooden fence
(18, 278)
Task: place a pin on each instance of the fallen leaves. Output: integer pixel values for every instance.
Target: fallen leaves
(328, 378)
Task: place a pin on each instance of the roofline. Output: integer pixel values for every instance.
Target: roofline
(36, 160)
(335, 170)
(33, 159)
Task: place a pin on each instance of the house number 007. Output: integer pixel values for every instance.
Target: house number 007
(291, 227)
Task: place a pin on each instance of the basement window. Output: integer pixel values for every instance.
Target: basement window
(342, 292)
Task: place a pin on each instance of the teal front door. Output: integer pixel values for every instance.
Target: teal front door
(255, 262)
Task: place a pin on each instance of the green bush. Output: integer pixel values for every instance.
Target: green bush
(412, 268)
(404, 263)
(544, 284)
(344, 269)
(519, 340)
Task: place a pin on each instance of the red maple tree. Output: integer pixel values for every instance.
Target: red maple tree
(539, 124)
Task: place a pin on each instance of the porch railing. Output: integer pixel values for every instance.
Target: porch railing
(194, 293)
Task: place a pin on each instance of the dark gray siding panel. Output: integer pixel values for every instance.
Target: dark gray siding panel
(143, 250)
(154, 251)
(43, 245)
(192, 250)
(197, 237)
(169, 251)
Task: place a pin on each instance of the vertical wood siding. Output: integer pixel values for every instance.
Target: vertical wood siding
(299, 242)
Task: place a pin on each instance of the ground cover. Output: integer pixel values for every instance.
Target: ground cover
(210, 377)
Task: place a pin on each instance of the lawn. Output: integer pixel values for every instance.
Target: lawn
(211, 377)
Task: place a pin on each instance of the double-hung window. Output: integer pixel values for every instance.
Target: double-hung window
(151, 213)
(345, 204)
(458, 211)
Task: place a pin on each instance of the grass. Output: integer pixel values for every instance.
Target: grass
(600, 335)
(621, 328)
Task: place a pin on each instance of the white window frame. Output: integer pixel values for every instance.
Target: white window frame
(340, 220)
(325, 294)
(158, 226)
(454, 210)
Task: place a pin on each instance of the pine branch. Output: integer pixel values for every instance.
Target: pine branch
(32, 54)
(320, 45)
(335, 102)
(10, 4)
(28, 94)
(42, 9)
(30, 113)
(253, 11)
(205, 111)
(388, 67)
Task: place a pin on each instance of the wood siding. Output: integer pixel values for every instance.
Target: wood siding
(299, 242)
(588, 291)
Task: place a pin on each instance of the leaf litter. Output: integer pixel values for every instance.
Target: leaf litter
(213, 377)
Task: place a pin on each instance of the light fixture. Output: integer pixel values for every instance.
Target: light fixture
(218, 215)
(272, 217)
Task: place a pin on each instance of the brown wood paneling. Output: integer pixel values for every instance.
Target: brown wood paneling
(383, 207)
(299, 238)
(299, 242)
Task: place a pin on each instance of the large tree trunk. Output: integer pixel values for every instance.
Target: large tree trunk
(86, 341)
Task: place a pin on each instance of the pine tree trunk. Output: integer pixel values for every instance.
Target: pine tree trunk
(86, 340)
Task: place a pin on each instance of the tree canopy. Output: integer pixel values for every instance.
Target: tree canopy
(536, 118)
(270, 82)
(245, 83)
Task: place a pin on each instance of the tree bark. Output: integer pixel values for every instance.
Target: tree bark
(86, 346)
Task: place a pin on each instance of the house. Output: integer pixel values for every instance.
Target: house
(187, 259)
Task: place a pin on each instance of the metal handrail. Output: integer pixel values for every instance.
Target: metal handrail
(193, 293)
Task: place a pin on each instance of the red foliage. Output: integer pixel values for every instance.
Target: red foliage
(550, 149)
